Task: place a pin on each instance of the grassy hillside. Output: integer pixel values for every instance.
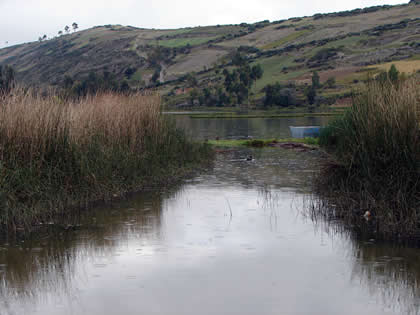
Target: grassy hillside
(344, 45)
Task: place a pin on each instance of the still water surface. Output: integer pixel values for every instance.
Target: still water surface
(242, 127)
(232, 240)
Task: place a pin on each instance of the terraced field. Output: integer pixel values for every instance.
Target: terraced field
(343, 45)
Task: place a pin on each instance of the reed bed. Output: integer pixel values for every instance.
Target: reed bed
(56, 155)
(373, 175)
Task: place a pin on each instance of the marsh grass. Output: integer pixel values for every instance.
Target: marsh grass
(57, 154)
(375, 166)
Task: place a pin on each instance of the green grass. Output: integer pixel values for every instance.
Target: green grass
(349, 44)
(215, 30)
(287, 39)
(137, 76)
(337, 92)
(273, 71)
(181, 42)
(261, 142)
(180, 31)
(349, 79)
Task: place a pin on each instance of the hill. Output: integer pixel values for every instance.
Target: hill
(343, 45)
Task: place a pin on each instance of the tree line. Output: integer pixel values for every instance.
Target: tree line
(75, 26)
(235, 88)
(94, 83)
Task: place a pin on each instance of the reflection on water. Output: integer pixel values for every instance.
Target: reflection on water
(230, 241)
(45, 270)
(391, 274)
(244, 127)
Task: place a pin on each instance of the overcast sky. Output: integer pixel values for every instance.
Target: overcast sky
(25, 20)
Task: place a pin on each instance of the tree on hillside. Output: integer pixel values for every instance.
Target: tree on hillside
(193, 96)
(330, 82)
(238, 59)
(67, 29)
(60, 33)
(124, 87)
(75, 26)
(311, 91)
(316, 84)
(191, 79)
(382, 77)
(159, 55)
(238, 82)
(207, 96)
(44, 37)
(68, 82)
(92, 84)
(281, 96)
(156, 76)
(311, 94)
(256, 72)
(129, 72)
(393, 74)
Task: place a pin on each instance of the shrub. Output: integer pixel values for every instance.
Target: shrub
(323, 56)
(330, 83)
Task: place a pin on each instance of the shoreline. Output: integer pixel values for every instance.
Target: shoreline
(58, 155)
(371, 180)
(288, 143)
(59, 220)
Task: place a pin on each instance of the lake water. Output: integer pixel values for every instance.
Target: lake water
(232, 240)
(241, 127)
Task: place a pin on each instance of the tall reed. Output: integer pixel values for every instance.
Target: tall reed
(376, 168)
(57, 154)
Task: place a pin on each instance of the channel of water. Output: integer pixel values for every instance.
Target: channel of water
(235, 239)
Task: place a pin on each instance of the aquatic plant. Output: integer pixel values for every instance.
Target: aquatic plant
(57, 154)
(376, 158)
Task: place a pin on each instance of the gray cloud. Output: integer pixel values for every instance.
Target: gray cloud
(26, 20)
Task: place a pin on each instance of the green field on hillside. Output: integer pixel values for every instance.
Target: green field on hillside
(180, 42)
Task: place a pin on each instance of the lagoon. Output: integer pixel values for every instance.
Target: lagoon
(236, 239)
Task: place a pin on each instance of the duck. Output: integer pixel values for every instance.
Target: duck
(249, 158)
(367, 215)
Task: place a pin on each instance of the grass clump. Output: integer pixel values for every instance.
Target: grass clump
(55, 155)
(375, 172)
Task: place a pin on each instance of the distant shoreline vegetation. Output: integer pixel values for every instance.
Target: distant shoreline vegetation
(263, 115)
(56, 154)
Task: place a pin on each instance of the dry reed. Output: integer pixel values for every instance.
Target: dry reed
(57, 154)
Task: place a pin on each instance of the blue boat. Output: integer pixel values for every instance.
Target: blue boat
(305, 131)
